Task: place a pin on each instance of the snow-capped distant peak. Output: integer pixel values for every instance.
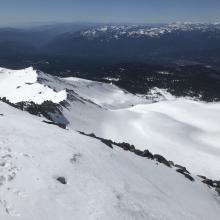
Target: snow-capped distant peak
(117, 32)
(23, 86)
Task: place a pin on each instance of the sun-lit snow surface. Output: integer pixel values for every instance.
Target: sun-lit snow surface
(102, 183)
(105, 183)
(184, 131)
(105, 95)
(22, 85)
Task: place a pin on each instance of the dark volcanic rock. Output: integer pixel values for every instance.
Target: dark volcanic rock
(202, 177)
(216, 183)
(48, 109)
(208, 182)
(211, 183)
(218, 191)
(62, 180)
(171, 163)
(107, 142)
(145, 153)
(182, 168)
(126, 146)
(138, 152)
(185, 174)
(57, 124)
(148, 154)
(161, 159)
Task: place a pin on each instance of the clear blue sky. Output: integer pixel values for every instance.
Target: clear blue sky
(136, 11)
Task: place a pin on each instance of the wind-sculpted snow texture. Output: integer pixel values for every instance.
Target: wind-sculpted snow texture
(51, 173)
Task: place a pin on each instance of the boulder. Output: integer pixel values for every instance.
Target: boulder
(161, 159)
(107, 142)
(62, 180)
(185, 174)
(148, 154)
(208, 182)
(182, 168)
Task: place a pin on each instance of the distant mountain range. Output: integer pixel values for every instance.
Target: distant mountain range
(117, 32)
(62, 47)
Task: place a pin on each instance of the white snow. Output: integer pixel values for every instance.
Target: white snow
(169, 126)
(101, 184)
(183, 130)
(22, 85)
(103, 94)
(104, 183)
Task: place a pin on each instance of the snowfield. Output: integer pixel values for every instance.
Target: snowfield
(102, 183)
(49, 173)
(22, 85)
(183, 130)
(106, 95)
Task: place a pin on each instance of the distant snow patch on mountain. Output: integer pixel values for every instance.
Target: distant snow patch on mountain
(117, 32)
(156, 95)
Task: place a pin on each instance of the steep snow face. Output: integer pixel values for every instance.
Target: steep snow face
(184, 131)
(102, 183)
(22, 85)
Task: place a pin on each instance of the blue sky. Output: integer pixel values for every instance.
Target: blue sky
(135, 11)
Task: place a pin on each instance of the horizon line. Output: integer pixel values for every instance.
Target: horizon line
(41, 23)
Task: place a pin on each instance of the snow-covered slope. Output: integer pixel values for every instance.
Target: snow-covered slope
(51, 173)
(181, 125)
(22, 85)
(102, 183)
(106, 95)
(175, 125)
(182, 130)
